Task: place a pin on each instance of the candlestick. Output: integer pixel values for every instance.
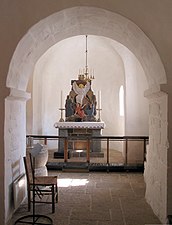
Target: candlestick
(99, 115)
(99, 106)
(61, 119)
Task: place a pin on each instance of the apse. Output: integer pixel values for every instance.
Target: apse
(114, 67)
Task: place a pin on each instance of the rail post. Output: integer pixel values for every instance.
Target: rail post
(88, 150)
(65, 149)
(108, 151)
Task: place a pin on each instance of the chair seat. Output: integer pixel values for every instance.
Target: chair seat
(45, 180)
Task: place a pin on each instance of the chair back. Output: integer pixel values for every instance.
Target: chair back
(28, 167)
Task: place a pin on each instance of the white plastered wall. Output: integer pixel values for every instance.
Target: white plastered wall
(82, 20)
(114, 65)
(156, 163)
(15, 127)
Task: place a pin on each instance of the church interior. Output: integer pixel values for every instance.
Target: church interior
(88, 70)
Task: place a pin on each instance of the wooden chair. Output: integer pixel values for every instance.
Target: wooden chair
(40, 185)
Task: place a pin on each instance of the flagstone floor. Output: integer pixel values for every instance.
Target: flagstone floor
(98, 199)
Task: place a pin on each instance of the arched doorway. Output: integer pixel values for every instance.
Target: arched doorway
(95, 21)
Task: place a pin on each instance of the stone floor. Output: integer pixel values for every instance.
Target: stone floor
(98, 199)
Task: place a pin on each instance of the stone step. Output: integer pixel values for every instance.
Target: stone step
(75, 170)
(86, 167)
(75, 167)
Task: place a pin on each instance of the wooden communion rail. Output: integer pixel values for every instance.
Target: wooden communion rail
(128, 141)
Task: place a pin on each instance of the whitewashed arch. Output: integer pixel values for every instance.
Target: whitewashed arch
(77, 21)
(92, 21)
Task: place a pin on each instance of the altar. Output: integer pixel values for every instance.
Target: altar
(77, 133)
(82, 122)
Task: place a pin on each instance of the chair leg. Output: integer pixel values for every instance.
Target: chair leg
(53, 202)
(29, 199)
(56, 191)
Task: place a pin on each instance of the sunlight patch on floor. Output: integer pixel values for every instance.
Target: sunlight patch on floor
(67, 182)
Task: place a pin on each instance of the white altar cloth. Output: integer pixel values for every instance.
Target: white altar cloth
(78, 125)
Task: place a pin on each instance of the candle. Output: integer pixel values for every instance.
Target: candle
(61, 100)
(99, 99)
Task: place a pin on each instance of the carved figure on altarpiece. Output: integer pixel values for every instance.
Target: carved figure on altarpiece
(81, 102)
